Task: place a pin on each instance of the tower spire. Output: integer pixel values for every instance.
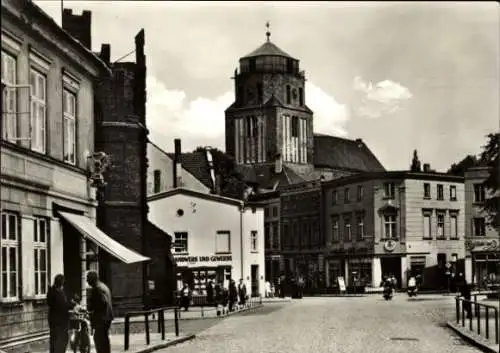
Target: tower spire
(268, 33)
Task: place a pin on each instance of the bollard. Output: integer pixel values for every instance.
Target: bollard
(463, 314)
(162, 318)
(457, 309)
(146, 317)
(497, 318)
(176, 321)
(478, 313)
(487, 324)
(127, 321)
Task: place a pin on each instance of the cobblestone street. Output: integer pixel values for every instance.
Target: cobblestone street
(340, 325)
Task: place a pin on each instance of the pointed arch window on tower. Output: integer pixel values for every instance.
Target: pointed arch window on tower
(301, 97)
(260, 93)
(288, 94)
(295, 126)
(251, 126)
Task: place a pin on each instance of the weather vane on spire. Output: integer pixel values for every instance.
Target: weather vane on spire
(268, 34)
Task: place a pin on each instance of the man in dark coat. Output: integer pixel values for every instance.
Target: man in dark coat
(233, 294)
(242, 292)
(210, 293)
(58, 316)
(466, 294)
(100, 307)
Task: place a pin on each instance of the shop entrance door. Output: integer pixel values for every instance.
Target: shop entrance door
(255, 280)
(72, 265)
(391, 266)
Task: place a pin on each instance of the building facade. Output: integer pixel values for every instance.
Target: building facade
(482, 242)
(397, 223)
(214, 238)
(48, 202)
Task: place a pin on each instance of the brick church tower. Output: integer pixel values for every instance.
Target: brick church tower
(122, 134)
(269, 117)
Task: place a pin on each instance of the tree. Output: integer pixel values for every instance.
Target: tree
(489, 157)
(415, 163)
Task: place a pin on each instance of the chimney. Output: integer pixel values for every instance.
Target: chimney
(79, 26)
(427, 168)
(177, 164)
(105, 53)
(278, 164)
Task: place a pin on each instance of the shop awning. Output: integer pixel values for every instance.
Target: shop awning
(90, 231)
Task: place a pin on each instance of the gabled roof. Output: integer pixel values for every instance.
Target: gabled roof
(267, 49)
(341, 153)
(196, 164)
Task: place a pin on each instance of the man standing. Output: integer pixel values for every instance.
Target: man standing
(210, 293)
(58, 316)
(242, 292)
(101, 312)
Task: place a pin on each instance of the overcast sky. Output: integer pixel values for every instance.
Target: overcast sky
(400, 76)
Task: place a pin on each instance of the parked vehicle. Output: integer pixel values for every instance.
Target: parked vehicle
(79, 333)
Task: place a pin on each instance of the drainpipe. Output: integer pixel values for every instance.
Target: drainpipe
(242, 209)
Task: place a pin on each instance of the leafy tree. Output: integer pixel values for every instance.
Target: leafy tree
(489, 157)
(461, 167)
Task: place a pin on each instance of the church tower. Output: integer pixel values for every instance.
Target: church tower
(269, 117)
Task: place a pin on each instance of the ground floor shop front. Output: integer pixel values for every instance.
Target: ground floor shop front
(485, 269)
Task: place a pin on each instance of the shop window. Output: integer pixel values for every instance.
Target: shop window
(40, 252)
(180, 242)
(223, 241)
(9, 264)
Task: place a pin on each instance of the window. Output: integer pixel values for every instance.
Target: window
(260, 93)
(9, 245)
(390, 226)
(361, 226)
(276, 235)
(427, 191)
(40, 241)
(38, 110)
(453, 226)
(251, 126)
(267, 236)
(479, 227)
(440, 226)
(479, 193)
(335, 197)
(440, 192)
(453, 193)
(150, 183)
(335, 229)
(266, 212)
(427, 226)
(180, 242)
(9, 97)
(288, 94)
(295, 126)
(346, 195)
(275, 211)
(389, 190)
(253, 241)
(301, 97)
(441, 260)
(361, 192)
(69, 128)
(223, 241)
(157, 181)
(347, 229)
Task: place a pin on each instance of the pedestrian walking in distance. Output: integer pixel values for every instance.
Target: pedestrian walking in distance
(100, 307)
(210, 293)
(58, 316)
(233, 294)
(185, 297)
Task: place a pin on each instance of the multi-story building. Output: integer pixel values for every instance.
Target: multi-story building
(216, 237)
(301, 236)
(482, 242)
(396, 223)
(48, 201)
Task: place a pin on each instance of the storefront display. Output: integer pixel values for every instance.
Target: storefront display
(360, 271)
(198, 277)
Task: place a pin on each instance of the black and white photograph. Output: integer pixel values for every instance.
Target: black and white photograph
(250, 176)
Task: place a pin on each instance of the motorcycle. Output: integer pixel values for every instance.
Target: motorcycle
(412, 292)
(387, 294)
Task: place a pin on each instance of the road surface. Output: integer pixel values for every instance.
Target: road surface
(337, 325)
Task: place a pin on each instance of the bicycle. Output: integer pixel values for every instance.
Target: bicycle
(79, 340)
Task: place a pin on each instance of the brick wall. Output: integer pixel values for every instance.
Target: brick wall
(79, 26)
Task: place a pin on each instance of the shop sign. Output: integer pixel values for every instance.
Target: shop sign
(482, 245)
(195, 259)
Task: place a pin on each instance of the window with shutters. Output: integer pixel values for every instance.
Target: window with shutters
(38, 83)
(9, 97)
(9, 250)
(40, 253)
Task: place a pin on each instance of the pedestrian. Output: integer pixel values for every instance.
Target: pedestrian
(210, 293)
(100, 307)
(242, 292)
(185, 297)
(233, 295)
(466, 294)
(58, 317)
(268, 289)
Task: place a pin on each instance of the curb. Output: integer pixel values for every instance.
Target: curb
(166, 344)
(475, 342)
(221, 316)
